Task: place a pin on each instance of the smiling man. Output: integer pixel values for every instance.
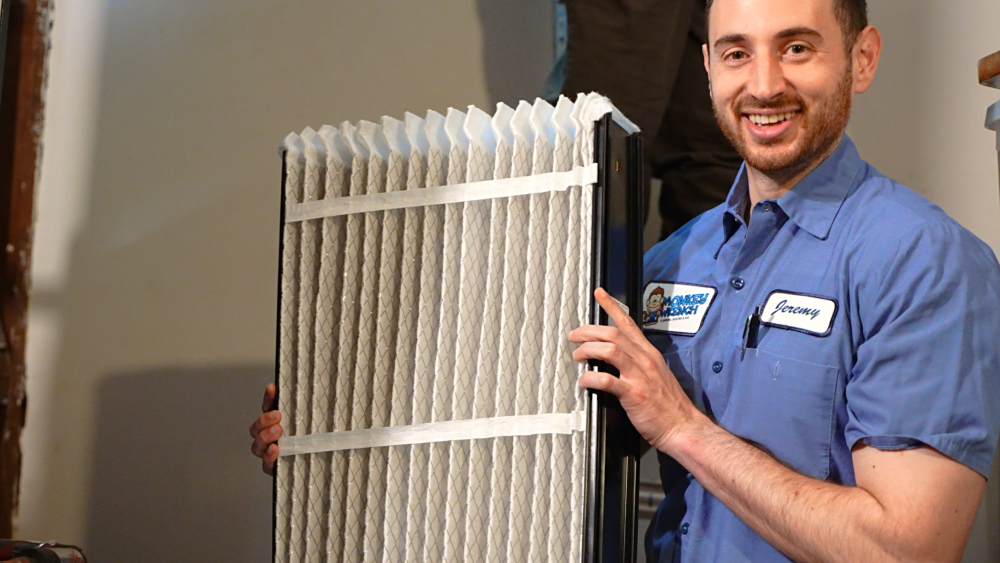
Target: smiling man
(835, 397)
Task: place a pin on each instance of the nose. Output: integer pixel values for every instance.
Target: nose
(768, 80)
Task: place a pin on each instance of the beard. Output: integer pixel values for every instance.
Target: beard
(822, 125)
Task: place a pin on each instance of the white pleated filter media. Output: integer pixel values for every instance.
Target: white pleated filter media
(432, 269)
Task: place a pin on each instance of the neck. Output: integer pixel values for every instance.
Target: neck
(776, 183)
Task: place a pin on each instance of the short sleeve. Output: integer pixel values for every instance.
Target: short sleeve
(928, 368)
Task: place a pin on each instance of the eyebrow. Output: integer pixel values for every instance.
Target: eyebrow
(731, 39)
(799, 31)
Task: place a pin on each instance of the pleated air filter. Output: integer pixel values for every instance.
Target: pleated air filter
(431, 271)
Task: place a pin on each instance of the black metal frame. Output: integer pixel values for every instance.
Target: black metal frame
(277, 350)
(613, 443)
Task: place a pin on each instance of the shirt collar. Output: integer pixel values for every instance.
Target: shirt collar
(814, 202)
(739, 198)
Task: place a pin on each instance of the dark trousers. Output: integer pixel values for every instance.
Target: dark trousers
(645, 55)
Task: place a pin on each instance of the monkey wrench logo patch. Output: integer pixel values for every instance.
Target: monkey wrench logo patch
(805, 313)
(676, 308)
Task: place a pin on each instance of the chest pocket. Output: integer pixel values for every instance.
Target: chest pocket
(787, 406)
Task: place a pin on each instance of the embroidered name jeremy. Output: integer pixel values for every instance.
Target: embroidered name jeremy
(797, 311)
(784, 307)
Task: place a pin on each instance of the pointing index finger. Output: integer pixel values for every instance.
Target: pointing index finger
(625, 323)
(615, 311)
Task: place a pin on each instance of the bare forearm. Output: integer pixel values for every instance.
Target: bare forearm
(804, 518)
(909, 505)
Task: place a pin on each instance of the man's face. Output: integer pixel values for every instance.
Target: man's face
(781, 80)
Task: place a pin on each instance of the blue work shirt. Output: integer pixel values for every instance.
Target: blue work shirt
(885, 332)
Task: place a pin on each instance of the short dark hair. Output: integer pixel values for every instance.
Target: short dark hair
(852, 15)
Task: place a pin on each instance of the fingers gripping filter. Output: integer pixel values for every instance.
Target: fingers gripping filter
(431, 270)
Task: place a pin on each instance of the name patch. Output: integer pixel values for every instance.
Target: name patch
(676, 308)
(796, 311)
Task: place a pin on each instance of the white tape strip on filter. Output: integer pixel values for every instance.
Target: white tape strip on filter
(451, 431)
(456, 193)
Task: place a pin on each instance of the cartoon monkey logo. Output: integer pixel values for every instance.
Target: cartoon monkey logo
(654, 307)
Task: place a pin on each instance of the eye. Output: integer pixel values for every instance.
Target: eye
(798, 49)
(736, 56)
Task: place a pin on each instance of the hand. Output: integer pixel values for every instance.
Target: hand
(647, 389)
(266, 430)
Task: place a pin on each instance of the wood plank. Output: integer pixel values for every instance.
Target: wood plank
(21, 112)
(989, 70)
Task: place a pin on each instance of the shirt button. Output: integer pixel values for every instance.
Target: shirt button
(717, 367)
(766, 207)
(738, 283)
(684, 528)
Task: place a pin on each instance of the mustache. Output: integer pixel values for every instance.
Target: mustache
(751, 103)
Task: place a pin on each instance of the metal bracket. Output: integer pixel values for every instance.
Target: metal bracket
(993, 121)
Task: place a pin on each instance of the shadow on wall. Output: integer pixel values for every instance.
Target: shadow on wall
(173, 478)
(984, 541)
(175, 262)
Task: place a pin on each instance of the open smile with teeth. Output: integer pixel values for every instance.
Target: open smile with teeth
(758, 119)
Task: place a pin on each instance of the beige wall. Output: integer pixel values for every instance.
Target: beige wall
(922, 121)
(152, 317)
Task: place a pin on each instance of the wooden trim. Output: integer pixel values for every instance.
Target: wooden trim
(21, 118)
(989, 70)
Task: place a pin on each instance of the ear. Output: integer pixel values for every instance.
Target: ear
(865, 54)
(708, 71)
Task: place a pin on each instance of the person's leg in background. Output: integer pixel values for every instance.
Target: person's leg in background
(641, 54)
(628, 50)
(692, 157)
